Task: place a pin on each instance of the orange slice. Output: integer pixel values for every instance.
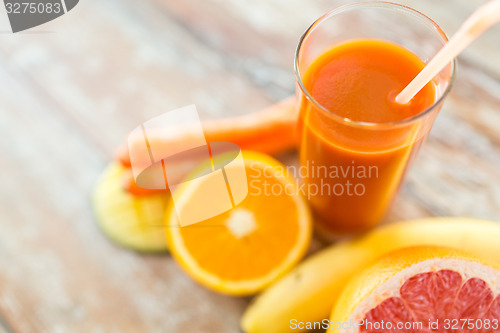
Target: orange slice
(243, 250)
(421, 289)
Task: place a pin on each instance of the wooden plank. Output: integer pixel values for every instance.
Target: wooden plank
(68, 98)
(62, 274)
(127, 65)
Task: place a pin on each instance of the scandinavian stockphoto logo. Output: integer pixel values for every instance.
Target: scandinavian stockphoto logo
(166, 148)
(24, 14)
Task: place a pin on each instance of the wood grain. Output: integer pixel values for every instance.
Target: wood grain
(70, 96)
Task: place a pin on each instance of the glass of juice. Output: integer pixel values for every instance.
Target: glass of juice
(356, 142)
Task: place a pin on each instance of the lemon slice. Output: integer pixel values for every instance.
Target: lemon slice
(135, 222)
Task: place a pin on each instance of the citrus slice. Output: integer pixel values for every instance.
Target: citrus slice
(243, 250)
(421, 289)
(132, 221)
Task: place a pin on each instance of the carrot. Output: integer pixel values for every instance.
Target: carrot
(270, 130)
(131, 187)
(122, 156)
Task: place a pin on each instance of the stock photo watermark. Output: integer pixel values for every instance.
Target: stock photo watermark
(217, 170)
(221, 181)
(317, 180)
(24, 14)
(455, 324)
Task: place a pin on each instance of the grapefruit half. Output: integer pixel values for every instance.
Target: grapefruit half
(421, 289)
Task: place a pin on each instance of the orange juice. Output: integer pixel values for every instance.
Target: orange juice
(356, 142)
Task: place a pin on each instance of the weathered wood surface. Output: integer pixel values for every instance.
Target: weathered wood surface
(71, 90)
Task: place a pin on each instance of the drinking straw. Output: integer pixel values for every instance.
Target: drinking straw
(482, 19)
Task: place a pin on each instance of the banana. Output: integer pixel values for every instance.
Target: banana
(132, 221)
(308, 293)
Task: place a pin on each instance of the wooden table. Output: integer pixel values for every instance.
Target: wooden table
(71, 90)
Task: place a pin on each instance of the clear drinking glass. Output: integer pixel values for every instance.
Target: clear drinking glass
(329, 141)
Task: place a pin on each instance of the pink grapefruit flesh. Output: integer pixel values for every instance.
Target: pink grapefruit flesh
(442, 296)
